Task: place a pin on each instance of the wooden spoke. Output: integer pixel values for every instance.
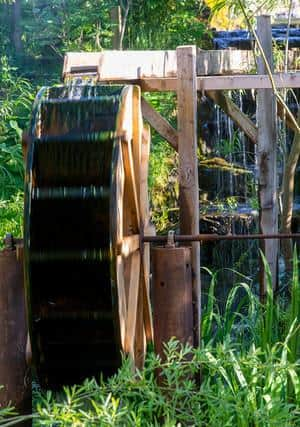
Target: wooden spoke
(147, 312)
(140, 337)
(122, 299)
(130, 180)
(132, 304)
(120, 182)
(147, 227)
(135, 259)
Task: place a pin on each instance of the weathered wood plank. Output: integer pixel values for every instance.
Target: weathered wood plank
(160, 124)
(172, 296)
(267, 157)
(15, 376)
(145, 248)
(127, 65)
(188, 165)
(250, 81)
(132, 303)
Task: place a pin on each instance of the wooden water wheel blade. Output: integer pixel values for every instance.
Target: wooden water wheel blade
(75, 315)
(64, 192)
(84, 255)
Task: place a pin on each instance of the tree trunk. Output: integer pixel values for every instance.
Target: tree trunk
(16, 27)
(288, 197)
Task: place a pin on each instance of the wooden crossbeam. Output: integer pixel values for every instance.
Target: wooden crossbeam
(128, 65)
(250, 81)
(242, 81)
(160, 124)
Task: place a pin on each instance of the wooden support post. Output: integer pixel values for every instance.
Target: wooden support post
(188, 165)
(160, 124)
(172, 296)
(116, 19)
(14, 373)
(266, 156)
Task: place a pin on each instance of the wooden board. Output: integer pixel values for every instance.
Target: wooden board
(172, 296)
(250, 81)
(127, 65)
(15, 376)
(188, 165)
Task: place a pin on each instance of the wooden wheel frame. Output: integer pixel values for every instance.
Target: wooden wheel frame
(130, 221)
(62, 314)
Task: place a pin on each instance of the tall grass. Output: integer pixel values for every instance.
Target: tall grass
(250, 375)
(16, 96)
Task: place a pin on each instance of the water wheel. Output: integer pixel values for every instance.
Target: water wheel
(86, 208)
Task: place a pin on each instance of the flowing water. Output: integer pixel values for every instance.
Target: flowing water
(228, 195)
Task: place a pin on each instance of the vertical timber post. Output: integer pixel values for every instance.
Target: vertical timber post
(14, 373)
(188, 166)
(266, 156)
(116, 19)
(172, 296)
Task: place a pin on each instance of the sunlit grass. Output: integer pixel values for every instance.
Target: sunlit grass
(249, 363)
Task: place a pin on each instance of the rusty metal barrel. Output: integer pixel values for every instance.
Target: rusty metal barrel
(14, 373)
(172, 296)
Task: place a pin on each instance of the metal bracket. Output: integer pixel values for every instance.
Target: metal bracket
(171, 241)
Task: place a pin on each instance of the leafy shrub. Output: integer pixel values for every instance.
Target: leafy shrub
(15, 105)
(249, 365)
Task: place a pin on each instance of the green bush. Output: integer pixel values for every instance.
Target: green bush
(249, 366)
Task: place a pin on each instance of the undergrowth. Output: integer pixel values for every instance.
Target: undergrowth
(16, 95)
(248, 362)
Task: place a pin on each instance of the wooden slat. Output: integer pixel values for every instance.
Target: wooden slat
(131, 183)
(250, 81)
(267, 156)
(160, 124)
(188, 165)
(122, 300)
(132, 303)
(145, 249)
(255, 81)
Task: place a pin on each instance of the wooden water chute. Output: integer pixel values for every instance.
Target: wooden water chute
(86, 206)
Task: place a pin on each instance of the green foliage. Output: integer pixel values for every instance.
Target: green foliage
(249, 376)
(15, 105)
(11, 216)
(52, 28)
(163, 175)
(152, 27)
